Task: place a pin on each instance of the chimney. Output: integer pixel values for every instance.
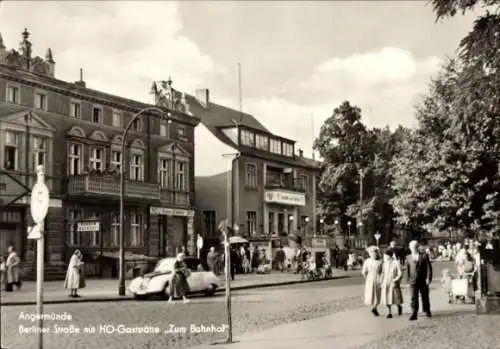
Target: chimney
(203, 96)
(49, 58)
(301, 153)
(81, 83)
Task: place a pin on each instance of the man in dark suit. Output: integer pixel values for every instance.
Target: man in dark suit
(419, 269)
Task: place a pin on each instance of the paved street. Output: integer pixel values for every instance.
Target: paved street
(108, 289)
(253, 310)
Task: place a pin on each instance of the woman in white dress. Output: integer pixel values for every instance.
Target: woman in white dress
(74, 275)
(372, 270)
(391, 287)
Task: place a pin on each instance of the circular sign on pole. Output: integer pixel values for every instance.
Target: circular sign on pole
(39, 202)
(377, 236)
(199, 242)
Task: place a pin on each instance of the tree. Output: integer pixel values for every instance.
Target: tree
(347, 145)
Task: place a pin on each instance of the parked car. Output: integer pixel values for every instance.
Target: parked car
(157, 282)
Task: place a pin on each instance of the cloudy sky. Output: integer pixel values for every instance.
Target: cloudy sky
(299, 59)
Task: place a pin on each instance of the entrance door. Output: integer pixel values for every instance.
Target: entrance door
(162, 231)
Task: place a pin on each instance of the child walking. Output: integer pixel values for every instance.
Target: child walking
(391, 283)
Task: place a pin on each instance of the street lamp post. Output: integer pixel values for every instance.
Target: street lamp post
(361, 176)
(306, 225)
(121, 281)
(349, 232)
(322, 225)
(227, 250)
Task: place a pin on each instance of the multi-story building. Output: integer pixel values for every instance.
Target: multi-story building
(259, 181)
(76, 133)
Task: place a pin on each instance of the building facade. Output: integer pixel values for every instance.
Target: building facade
(265, 187)
(76, 134)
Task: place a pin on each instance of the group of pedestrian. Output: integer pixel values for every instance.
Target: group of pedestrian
(383, 276)
(10, 270)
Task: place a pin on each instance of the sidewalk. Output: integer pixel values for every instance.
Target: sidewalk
(98, 290)
(344, 330)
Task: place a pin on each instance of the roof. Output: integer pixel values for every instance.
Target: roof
(81, 91)
(216, 117)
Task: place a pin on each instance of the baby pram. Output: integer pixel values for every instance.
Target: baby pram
(462, 288)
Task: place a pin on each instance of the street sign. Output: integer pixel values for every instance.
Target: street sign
(377, 236)
(199, 242)
(35, 232)
(39, 202)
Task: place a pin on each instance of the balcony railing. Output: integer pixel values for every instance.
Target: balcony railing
(293, 185)
(110, 186)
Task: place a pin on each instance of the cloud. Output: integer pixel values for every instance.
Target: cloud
(121, 46)
(386, 84)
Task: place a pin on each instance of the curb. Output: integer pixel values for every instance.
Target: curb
(130, 298)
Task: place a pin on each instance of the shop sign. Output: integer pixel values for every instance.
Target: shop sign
(164, 211)
(87, 226)
(318, 243)
(285, 197)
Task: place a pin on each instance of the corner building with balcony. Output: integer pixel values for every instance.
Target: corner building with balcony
(268, 191)
(76, 134)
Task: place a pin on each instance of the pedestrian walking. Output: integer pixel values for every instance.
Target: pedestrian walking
(3, 269)
(391, 283)
(213, 261)
(234, 262)
(372, 270)
(419, 269)
(75, 278)
(179, 285)
(12, 270)
(280, 259)
(255, 259)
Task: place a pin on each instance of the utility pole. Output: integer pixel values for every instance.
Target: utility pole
(360, 224)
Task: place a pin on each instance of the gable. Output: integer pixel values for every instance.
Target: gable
(99, 136)
(175, 149)
(28, 118)
(117, 140)
(137, 143)
(76, 131)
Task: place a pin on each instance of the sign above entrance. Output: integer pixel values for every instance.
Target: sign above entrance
(87, 226)
(164, 211)
(285, 198)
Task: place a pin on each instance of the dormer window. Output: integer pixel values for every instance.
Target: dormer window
(275, 146)
(262, 142)
(97, 115)
(287, 149)
(247, 138)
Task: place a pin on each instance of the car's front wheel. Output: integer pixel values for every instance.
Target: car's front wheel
(211, 290)
(140, 297)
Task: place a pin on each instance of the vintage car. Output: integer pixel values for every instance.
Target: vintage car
(157, 282)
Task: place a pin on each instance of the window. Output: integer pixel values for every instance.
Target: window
(75, 159)
(164, 176)
(40, 100)
(180, 130)
(136, 238)
(95, 235)
(115, 230)
(251, 175)
(301, 182)
(75, 110)
(11, 151)
(180, 176)
(137, 125)
(287, 149)
(137, 168)
(74, 235)
(251, 222)
(163, 128)
(97, 115)
(39, 152)
(13, 94)
(247, 138)
(96, 158)
(262, 142)
(270, 223)
(275, 146)
(209, 223)
(116, 160)
(117, 118)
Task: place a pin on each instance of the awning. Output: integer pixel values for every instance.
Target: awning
(237, 240)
